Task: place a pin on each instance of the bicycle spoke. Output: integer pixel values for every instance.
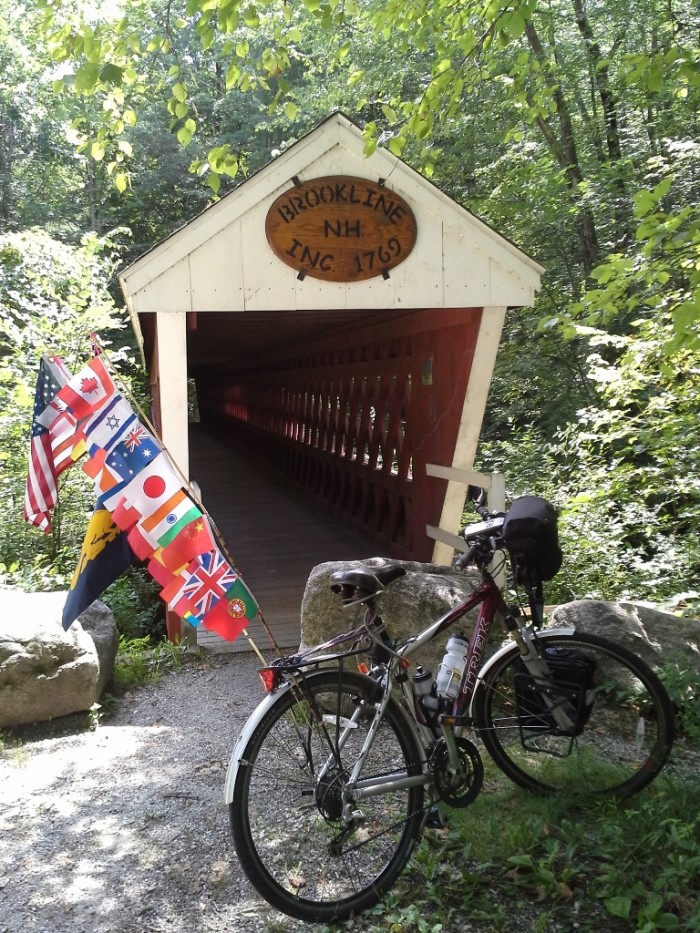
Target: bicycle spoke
(622, 744)
(310, 848)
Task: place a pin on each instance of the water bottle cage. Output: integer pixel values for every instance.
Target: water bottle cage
(379, 651)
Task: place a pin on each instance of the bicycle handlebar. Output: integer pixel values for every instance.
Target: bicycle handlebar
(482, 536)
(468, 557)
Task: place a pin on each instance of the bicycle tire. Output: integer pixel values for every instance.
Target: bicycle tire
(622, 746)
(285, 817)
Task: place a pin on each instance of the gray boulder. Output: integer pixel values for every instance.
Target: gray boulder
(655, 636)
(407, 605)
(428, 590)
(46, 672)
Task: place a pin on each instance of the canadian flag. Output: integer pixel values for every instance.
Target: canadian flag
(87, 391)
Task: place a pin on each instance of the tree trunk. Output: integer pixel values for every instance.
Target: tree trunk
(6, 198)
(563, 147)
(600, 73)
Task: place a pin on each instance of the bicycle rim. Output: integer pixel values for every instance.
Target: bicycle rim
(623, 745)
(286, 812)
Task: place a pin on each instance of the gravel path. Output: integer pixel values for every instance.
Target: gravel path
(124, 829)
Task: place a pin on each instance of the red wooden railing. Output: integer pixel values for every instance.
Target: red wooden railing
(355, 419)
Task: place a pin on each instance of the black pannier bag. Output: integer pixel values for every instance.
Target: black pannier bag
(573, 673)
(531, 537)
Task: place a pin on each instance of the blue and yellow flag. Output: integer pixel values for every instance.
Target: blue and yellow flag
(105, 556)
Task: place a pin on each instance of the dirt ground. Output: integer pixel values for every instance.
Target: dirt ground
(124, 829)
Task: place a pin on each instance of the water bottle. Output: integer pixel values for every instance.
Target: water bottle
(422, 682)
(452, 667)
(424, 687)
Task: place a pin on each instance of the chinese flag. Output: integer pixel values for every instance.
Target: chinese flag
(192, 540)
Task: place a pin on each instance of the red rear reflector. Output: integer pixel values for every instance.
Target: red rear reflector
(271, 678)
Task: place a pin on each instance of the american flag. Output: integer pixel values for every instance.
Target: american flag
(50, 445)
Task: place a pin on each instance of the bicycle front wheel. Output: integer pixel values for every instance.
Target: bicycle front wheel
(311, 849)
(625, 721)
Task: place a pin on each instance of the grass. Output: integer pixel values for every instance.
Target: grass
(140, 661)
(517, 862)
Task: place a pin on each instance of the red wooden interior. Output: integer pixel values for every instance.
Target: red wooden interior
(354, 417)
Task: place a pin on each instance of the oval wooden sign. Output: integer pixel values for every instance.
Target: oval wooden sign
(341, 229)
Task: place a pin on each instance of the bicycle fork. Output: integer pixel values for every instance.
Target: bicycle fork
(560, 709)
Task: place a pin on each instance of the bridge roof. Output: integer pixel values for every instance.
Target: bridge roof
(221, 261)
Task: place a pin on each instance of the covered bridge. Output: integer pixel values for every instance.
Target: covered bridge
(338, 318)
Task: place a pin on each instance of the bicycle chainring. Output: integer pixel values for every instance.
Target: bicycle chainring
(457, 789)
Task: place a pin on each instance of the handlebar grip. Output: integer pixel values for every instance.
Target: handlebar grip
(468, 557)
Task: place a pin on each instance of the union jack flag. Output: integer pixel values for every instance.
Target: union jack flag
(136, 437)
(207, 579)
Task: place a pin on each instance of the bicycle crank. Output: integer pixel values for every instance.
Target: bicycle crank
(457, 787)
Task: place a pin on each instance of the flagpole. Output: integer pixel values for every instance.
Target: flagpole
(99, 350)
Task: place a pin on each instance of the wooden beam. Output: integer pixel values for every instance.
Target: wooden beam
(171, 352)
(465, 477)
(470, 424)
(452, 541)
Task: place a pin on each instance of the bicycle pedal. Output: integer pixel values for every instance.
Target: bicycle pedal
(435, 820)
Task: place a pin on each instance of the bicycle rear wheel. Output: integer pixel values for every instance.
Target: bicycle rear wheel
(288, 799)
(624, 735)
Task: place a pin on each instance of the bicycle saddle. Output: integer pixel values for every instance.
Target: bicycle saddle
(364, 582)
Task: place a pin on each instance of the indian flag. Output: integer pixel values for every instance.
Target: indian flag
(168, 521)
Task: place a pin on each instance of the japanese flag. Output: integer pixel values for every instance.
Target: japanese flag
(151, 488)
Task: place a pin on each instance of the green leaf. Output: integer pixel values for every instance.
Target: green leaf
(251, 18)
(291, 111)
(396, 145)
(619, 906)
(514, 25)
(87, 76)
(111, 74)
(184, 136)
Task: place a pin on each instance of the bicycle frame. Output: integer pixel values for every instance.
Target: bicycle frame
(488, 596)
(492, 603)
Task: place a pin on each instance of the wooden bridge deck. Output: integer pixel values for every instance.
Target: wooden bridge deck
(274, 534)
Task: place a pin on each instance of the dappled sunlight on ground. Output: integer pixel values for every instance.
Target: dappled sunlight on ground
(124, 829)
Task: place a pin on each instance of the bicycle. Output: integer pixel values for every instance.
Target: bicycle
(336, 772)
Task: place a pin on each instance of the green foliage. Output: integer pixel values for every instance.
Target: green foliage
(571, 128)
(554, 866)
(138, 611)
(52, 296)
(139, 662)
(683, 686)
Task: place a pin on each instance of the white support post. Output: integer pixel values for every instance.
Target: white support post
(172, 382)
(470, 424)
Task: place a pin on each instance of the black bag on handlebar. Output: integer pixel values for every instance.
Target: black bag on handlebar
(531, 538)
